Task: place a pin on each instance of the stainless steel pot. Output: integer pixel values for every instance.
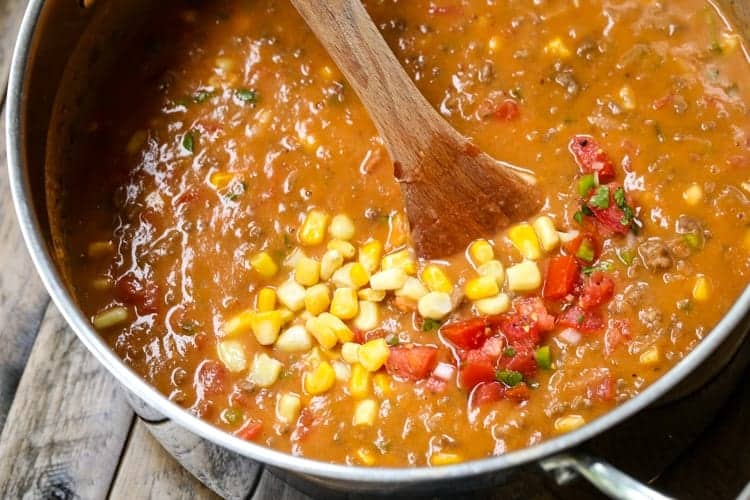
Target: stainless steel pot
(62, 45)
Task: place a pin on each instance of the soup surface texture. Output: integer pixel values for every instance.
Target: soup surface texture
(236, 234)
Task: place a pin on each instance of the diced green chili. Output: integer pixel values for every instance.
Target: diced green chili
(509, 352)
(626, 256)
(232, 416)
(585, 251)
(692, 240)
(247, 95)
(586, 184)
(543, 357)
(188, 142)
(393, 340)
(201, 96)
(578, 217)
(509, 377)
(600, 198)
(430, 325)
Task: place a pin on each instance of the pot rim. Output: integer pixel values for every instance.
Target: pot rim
(45, 266)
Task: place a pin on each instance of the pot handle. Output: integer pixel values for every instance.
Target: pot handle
(604, 476)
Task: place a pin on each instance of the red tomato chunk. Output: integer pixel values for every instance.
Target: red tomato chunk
(412, 362)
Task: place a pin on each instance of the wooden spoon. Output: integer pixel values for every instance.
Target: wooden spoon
(453, 192)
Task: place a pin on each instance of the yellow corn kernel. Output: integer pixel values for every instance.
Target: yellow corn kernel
(480, 251)
(232, 354)
(342, 331)
(266, 299)
(367, 318)
(366, 456)
(266, 326)
(365, 412)
(344, 303)
(382, 384)
(435, 305)
(307, 271)
(444, 458)
(350, 352)
(359, 384)
(317, 299)
(436, 279)
(524, 239)
(729, 43)
(287, 408)
(352, 275)
(402, 259)
(343, 372)
(341, 228)
(110, 317)
(322, 332)
(557, 48)
(390, 279)
(286, 315)
(627, 97)
(264, 264)
(370, 254)
(693, 195)
(481, 288)
(494, 269)
(314, 227)
(701, 289)
(265, 370)
(650, 356)
(371, 295)
(294, 339)
(524, 277)
(569, 423)
(104, 283)
(345, 248)
(239, 323)
(100, 248)
(292, 295)
(498, 304)
(329, 263)
(494, 44)
(398, 230)
(548, 236)
(320, 379)
(413, 289)
(221, 179)
(374, 354)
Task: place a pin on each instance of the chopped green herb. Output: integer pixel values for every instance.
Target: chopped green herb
(430, 325)
(586, 184)
(188, 142)
(201, 96)
(605, 266)
(626, 256)
(600, 198)
(619, 197)
(392, 340)
(585, 210)
(585, 251)
(543, 357)
(247, 95)
(509, 377)
(509, 352)
(692, 240)
(578, 217)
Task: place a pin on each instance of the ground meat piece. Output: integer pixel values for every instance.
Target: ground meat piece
(679, 249)
(563, 76)
(651, 318)
(688, 225)
(636, 293)
(655, 254)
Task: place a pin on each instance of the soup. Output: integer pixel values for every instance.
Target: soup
(237, 236)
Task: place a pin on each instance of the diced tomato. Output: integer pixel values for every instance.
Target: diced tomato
(611, 220)
(583, 321)
(493, 347)
(138, 292)
(476, 372)
(597, 290)
(522, 359)
(488, 392)
(250, 430)
(468, 334)
(534, 309)
(518, 328)
(186, 197)
(562, 273)
(618, 331)
(519, 392)
(591, 158)
(507, 110)
(210, 377)
(412, 362)
(435, 385)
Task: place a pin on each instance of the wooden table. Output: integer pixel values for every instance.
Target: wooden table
(68, 432)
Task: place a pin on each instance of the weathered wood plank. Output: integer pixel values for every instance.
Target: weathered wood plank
(271, 486)
(11, 12)
(68, 423)
(147, 471)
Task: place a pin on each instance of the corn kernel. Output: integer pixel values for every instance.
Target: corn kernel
(294, 339)
(266, 370)
(264, 264)
(436, 279)
(494, 269)
(343, 372)
(350, 352)
(104, 283)
(286, 315)
(313, 228)
(239, 323)
(329, 263)
(693, 195)
(480, 251)
(370, 254)
(701, 289)
(317, 299)
(443, 458)
(494, 44)
(545, 230)
(382, 384)
(650, 356)
(557, 48)
(367, 318)
(366, 456)
(524, 239)
(221, 179)
(365, 412)
(481, 288)
(110, 318)
(402, 259)
(371, 295)
(524, 277)
(390, 279)
(100, 248)
(374, 354)
(322, 332)
(266, 299)
(729, 42)
(352, 275)
(320, 379)
(413, 289)
(345, 248)
(344, 303)
(292, 295)
(435, 305)
(266, 326)
(288, 407)
(569, 423)
(359, 384)
(341, 228)
(294, 256)
(232, 354)
(342, 331)
(307, 271)
(498, 304)
(627, 97)
(398, 229)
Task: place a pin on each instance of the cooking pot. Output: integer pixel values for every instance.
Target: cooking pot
(63, 47)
